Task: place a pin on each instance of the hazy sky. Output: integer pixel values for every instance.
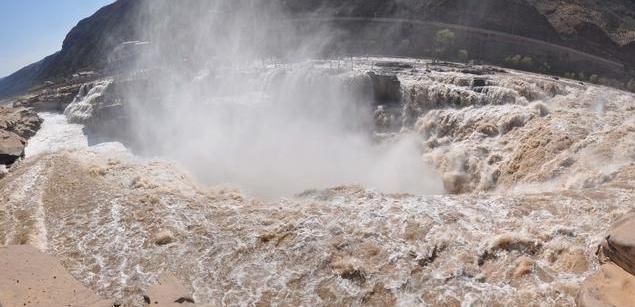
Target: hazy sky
(33, 29)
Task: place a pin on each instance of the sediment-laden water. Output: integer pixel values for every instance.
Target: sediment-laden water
(541, 167)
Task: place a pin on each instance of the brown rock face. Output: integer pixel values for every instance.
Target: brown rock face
(168, 292)
(29, 277)
(11, 147)
(53, 98)
(612, 286)
(620, 243)
(163, 238)
(16, 126)
(21, 121)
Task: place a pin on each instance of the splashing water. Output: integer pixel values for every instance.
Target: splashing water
(351, 245)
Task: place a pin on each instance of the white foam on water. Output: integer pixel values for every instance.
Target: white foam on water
(83, 106)
(56, 134)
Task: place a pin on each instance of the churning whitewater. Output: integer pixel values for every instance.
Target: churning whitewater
(118, 221)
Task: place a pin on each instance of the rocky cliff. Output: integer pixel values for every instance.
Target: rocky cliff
(85, 49)
(604, 30)
(17, 125)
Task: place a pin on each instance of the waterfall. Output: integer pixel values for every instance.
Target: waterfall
(85, 103)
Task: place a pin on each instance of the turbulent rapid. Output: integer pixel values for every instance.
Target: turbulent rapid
(520, 175)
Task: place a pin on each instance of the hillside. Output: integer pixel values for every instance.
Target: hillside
(605, 30)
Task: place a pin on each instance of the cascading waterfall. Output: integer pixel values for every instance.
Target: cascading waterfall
(85, 103)
(349, 245)
(298, 125)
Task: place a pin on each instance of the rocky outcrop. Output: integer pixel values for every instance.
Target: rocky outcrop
(614, 285)
(17, 125)
(29, 277)
(168, 292)
(53, 98)
(619, 245)
(21, 121)
(386, 88)
(11, 147)
(611, 287)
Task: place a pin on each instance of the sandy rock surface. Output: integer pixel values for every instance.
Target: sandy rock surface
(619, 246)
(29, 277)
(168, 292)
(17, 125)
(612, 286)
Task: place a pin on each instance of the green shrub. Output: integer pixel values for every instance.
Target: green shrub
(594, 79)
(444, 40)
(463, 55)
(546, 68)
(527, 62)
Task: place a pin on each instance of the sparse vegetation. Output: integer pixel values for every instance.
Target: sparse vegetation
(594, 79)
(631, 85)
(463, 55)
(520, 61)
(546, 67)
(444, 40)
(527, 62)
(512, 61)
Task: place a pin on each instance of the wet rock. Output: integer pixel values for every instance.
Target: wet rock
(350, 268)
(573, 261)
(612, 286)
(11, 147)
(3, 171)
(456, 182)
(29, 277)
(619, 245)
(379, 296)
(21, 121)
(53, 98)
(479, 83)
(509, 243)
(394, 65)
(524, 266)
(163, 238)
(168, 292)
(16, 126)
(386, 88)
(488, 129)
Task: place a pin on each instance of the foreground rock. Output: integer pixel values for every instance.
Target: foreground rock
(17, 125)
(22, 121)
(29, 277)
(11, 147)
(619, 245)
(612, 286)
(168, 293)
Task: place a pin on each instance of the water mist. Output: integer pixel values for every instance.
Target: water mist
(235, 97)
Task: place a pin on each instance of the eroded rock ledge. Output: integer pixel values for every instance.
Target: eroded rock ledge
(17, 125)
(30, 277)
(614, 284)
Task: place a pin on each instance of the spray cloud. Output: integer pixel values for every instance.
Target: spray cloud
(232, 94)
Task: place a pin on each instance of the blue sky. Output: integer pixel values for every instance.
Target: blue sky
(33, 29)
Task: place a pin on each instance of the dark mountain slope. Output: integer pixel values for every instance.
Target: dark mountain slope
(86, 48)
(603, 29)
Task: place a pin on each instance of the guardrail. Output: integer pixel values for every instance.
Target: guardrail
(467, 29)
